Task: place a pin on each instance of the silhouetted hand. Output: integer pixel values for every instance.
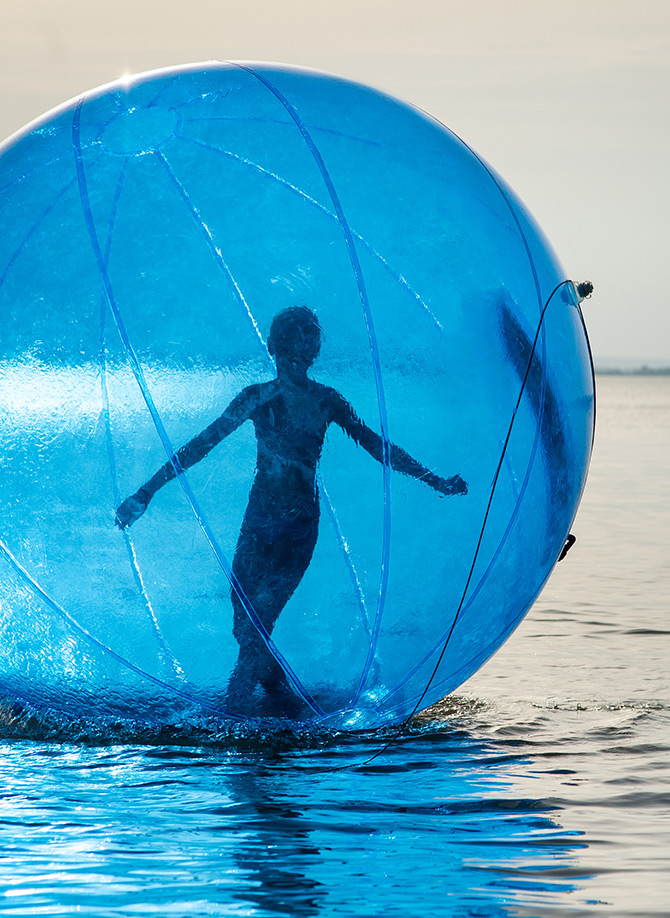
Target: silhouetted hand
(130, 510)
(452, 487)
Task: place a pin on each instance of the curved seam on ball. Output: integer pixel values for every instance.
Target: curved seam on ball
(158, 423)
(218, 256)
(503, 540)
(165, 652)
(317, 204)
(74, 624)
(381, 401)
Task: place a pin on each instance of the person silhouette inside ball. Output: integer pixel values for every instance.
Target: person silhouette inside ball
(291, 415)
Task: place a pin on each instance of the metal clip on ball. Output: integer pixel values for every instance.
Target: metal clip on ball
(583, 290)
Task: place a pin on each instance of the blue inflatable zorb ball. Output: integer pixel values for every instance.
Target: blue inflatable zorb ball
(296, 403)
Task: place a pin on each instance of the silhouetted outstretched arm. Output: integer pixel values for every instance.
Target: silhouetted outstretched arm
(196, 449)
(346, 418)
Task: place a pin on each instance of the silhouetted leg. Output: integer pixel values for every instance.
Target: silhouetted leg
(268, 573)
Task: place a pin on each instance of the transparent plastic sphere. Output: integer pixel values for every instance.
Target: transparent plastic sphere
(376, 487)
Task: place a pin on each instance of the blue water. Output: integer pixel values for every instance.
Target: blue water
(540, 790)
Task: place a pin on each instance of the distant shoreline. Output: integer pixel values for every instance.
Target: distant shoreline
(638, 371)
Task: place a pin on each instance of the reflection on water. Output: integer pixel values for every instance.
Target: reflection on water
(277, 825)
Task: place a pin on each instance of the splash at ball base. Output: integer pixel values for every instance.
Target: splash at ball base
(296, 403)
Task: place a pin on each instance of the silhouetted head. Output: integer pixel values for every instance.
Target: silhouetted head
(295, 338)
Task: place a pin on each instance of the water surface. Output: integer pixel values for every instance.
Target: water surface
(540, 790)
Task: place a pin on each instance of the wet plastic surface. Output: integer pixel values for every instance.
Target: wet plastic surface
(150, 233)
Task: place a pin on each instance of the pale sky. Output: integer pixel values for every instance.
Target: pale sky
(568, 99)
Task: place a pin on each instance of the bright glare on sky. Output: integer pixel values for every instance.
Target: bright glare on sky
(567, 99)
